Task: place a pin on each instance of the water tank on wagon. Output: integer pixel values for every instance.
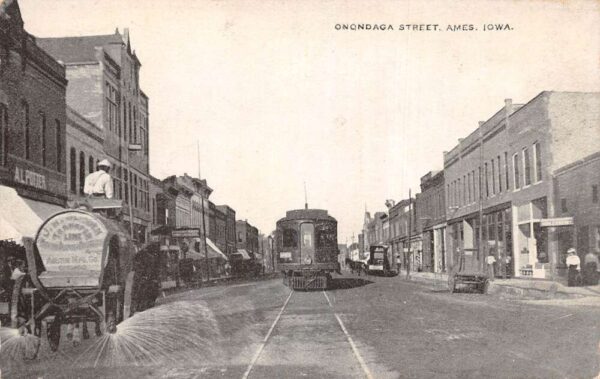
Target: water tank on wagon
(307, 251)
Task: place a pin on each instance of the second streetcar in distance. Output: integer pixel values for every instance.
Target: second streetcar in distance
(307, 251)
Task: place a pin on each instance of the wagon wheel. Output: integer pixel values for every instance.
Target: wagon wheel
(21, 315)
(128, 306)
(452, 283)
(53, 333)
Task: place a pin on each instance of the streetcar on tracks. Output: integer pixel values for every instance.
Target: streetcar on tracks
(80, 269)
(306, 247)
(380, 260)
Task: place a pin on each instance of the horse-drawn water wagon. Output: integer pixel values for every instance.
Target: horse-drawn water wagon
(80, 269)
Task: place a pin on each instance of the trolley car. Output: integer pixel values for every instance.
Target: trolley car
(380, 260)
(307, 251)
(80, 269)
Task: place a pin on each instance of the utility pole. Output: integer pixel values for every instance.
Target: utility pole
(480, 248)
(409, 234)
(203, 220)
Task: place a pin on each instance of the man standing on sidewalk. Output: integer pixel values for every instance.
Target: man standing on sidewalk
(490, 260)
(573, 262)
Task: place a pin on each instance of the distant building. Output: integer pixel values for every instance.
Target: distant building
(431, 208)
(247, 237)
(230, 234)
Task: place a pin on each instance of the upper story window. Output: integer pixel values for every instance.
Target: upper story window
(73, 170)
(43, 132)
(493, 177)
(487, 185)
(499, 175)
(81, 171)
(595, 194)
(3, 133)
(537, 156)
(26, 131)
(506, 170)
(516, 177)
(59, 146)
(527, 166)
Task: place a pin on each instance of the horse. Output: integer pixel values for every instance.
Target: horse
(355, 266)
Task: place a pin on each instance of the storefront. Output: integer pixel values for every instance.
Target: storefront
(532, 254)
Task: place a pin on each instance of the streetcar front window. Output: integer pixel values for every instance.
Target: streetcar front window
(326, 236)
(290, 238)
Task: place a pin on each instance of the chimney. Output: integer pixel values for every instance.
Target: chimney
(507, 103)
(481, 123)
(460, 140)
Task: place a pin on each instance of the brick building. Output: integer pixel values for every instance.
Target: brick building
(230, 234)
(85, 147)
(247, 237)
(577, 196)
(104, 88)
(404, 234)
(509, 179)
(32, 114)
(432, 221)
(32, 134)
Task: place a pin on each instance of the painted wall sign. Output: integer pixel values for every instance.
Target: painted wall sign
(72, 241)
(185, 233)
(29, 178)
(561, 221)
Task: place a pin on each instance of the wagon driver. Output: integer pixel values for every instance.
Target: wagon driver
(99, 183)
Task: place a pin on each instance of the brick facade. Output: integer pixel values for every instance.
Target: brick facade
(32, 113)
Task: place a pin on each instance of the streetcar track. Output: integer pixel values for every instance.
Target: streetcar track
(264, 342)
(360, 359)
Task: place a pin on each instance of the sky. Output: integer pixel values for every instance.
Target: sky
(277, 96)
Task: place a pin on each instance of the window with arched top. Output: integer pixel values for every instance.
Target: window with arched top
(73, 170)
(59, 146)
(3, 133)
(81, 171)
(26, 128)
(43, 137)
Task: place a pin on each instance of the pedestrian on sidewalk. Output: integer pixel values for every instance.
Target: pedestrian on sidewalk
(590, 268)
(490, 260)
(573, 264)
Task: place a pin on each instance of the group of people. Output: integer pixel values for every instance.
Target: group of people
(586, 275)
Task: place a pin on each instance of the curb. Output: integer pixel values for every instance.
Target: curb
(495, 288)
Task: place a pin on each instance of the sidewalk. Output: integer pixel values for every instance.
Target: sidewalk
(537, 288)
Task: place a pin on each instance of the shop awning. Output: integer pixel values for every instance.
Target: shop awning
(21, 217)
(243, 253)
(215, 249)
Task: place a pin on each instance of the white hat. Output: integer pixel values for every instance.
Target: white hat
(571, 250)
(104, 163)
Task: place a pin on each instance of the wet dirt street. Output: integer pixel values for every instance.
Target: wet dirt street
(363, 327)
